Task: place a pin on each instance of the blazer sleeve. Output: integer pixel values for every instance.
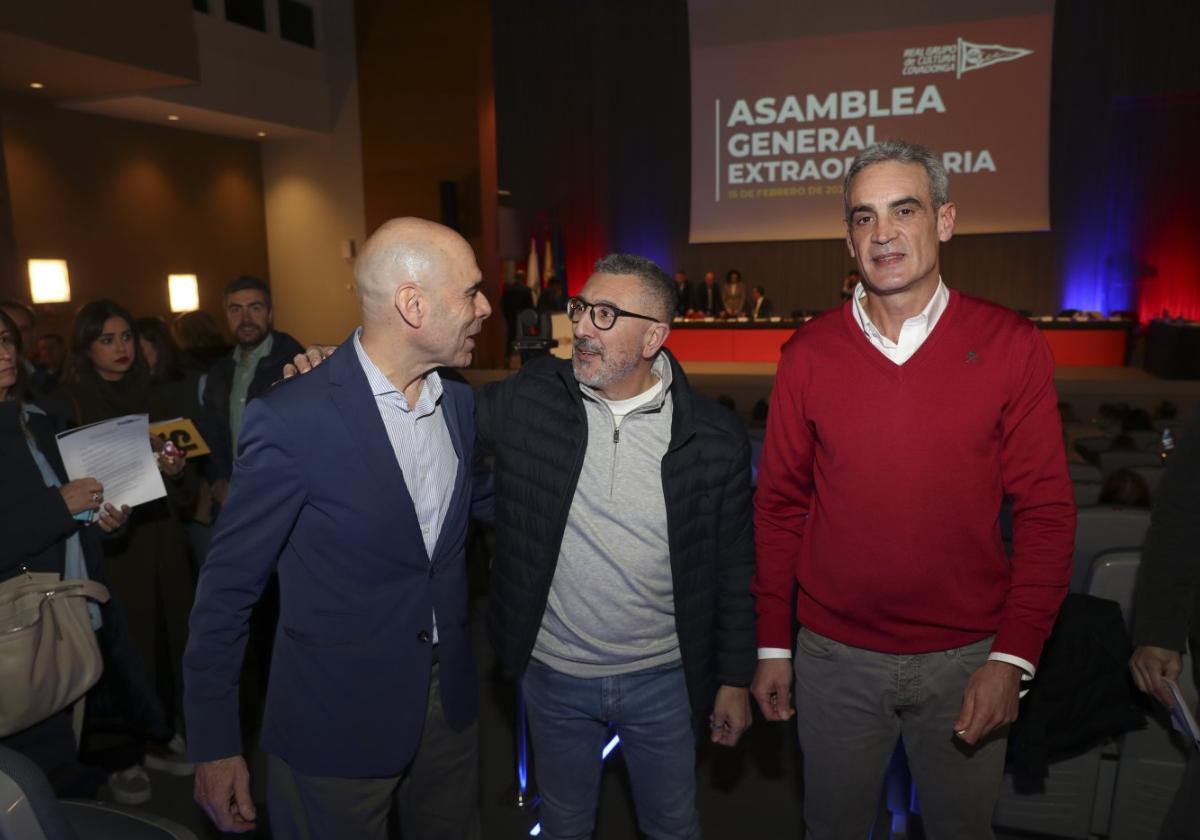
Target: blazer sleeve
(266, 496)
(33, 523)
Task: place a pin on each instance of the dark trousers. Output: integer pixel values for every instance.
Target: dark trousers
(437, 798)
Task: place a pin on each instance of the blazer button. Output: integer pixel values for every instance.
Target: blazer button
(423, 636)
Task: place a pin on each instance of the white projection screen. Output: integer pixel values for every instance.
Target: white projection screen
(784, 94)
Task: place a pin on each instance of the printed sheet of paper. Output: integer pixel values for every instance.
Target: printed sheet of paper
(1181, 716)
(116, 453)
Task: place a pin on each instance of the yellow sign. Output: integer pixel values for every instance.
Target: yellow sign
(182, 432)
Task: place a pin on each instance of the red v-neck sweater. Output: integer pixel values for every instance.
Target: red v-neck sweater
(880, 487)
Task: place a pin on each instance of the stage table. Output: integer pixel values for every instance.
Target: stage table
(1073, 343)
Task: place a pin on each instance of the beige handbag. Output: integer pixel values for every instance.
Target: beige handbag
(48, 652)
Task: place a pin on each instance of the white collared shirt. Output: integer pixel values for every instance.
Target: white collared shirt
(913, 333)
(421, 444)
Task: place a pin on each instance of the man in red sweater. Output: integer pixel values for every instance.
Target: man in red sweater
(898, 424)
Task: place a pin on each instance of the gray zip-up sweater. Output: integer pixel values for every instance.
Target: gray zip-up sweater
(611, 608)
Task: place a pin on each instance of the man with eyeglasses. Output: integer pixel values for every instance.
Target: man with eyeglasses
(620, 585)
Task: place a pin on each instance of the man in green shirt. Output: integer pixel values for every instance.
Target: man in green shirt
(256, 363)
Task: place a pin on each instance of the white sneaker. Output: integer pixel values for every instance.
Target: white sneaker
(171, 758)
(130, 786)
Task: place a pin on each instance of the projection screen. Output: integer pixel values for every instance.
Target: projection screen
(784, 94)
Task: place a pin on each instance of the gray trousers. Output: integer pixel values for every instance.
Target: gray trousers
(437, 799)
(853, 704)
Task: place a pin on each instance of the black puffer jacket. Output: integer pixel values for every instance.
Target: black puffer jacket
(535, 426)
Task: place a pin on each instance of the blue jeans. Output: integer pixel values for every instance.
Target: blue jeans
(569, 719)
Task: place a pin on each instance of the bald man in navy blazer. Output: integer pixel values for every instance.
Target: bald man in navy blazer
(355, 482)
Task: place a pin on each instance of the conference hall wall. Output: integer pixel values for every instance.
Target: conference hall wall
(126, 204)
(594, 134)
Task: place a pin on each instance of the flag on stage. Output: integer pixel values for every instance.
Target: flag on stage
(533, 279)
(548, 271)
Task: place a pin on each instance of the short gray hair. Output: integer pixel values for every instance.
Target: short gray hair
(900, 151)
(655, 281)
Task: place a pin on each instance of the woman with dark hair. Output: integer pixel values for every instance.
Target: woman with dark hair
(148, 563)
(46, 527)
(177, 385)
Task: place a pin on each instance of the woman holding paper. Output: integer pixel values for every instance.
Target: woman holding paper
(45, 527)
(149, 563)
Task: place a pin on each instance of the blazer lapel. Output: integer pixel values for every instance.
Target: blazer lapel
(451, 416)
(351, 394)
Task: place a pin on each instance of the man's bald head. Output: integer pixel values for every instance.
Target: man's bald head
(403, 251)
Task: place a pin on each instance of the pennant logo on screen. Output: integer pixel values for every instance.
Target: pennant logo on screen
(977, 56)
(957, 58)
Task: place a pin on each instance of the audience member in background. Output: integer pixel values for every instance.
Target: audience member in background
(256, 363)
(760, 304)
(356, 480)
(707, 297)
(850, 283)
(45, 526)
(200, 342)
(1125, 488)
(733, 296)
(38, 379)
(898, 425)
(49, 355)
(148, 562)
(180, 387)
(624, 550)
(551, 298)
(1166, 611)
(515, 299)
(683, 294)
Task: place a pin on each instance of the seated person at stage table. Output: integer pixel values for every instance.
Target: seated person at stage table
(706, 297)
(760, 304)
(733, 296)
(683, 292)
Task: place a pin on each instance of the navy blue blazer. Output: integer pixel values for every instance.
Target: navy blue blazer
(317, 492)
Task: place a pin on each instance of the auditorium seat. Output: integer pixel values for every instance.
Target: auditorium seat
(1103, 528)
(1151, 475)
(1083, 472)
(1122, 789)
(29, 810)
(1110, 462)
(1152, 760)
(1086, 492)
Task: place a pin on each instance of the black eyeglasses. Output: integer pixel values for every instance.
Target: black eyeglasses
(604, 315)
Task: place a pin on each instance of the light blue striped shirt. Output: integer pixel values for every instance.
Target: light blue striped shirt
(421, 443)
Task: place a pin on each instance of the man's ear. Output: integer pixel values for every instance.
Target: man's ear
(946, 216)
(411, 304)
(655, 338)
